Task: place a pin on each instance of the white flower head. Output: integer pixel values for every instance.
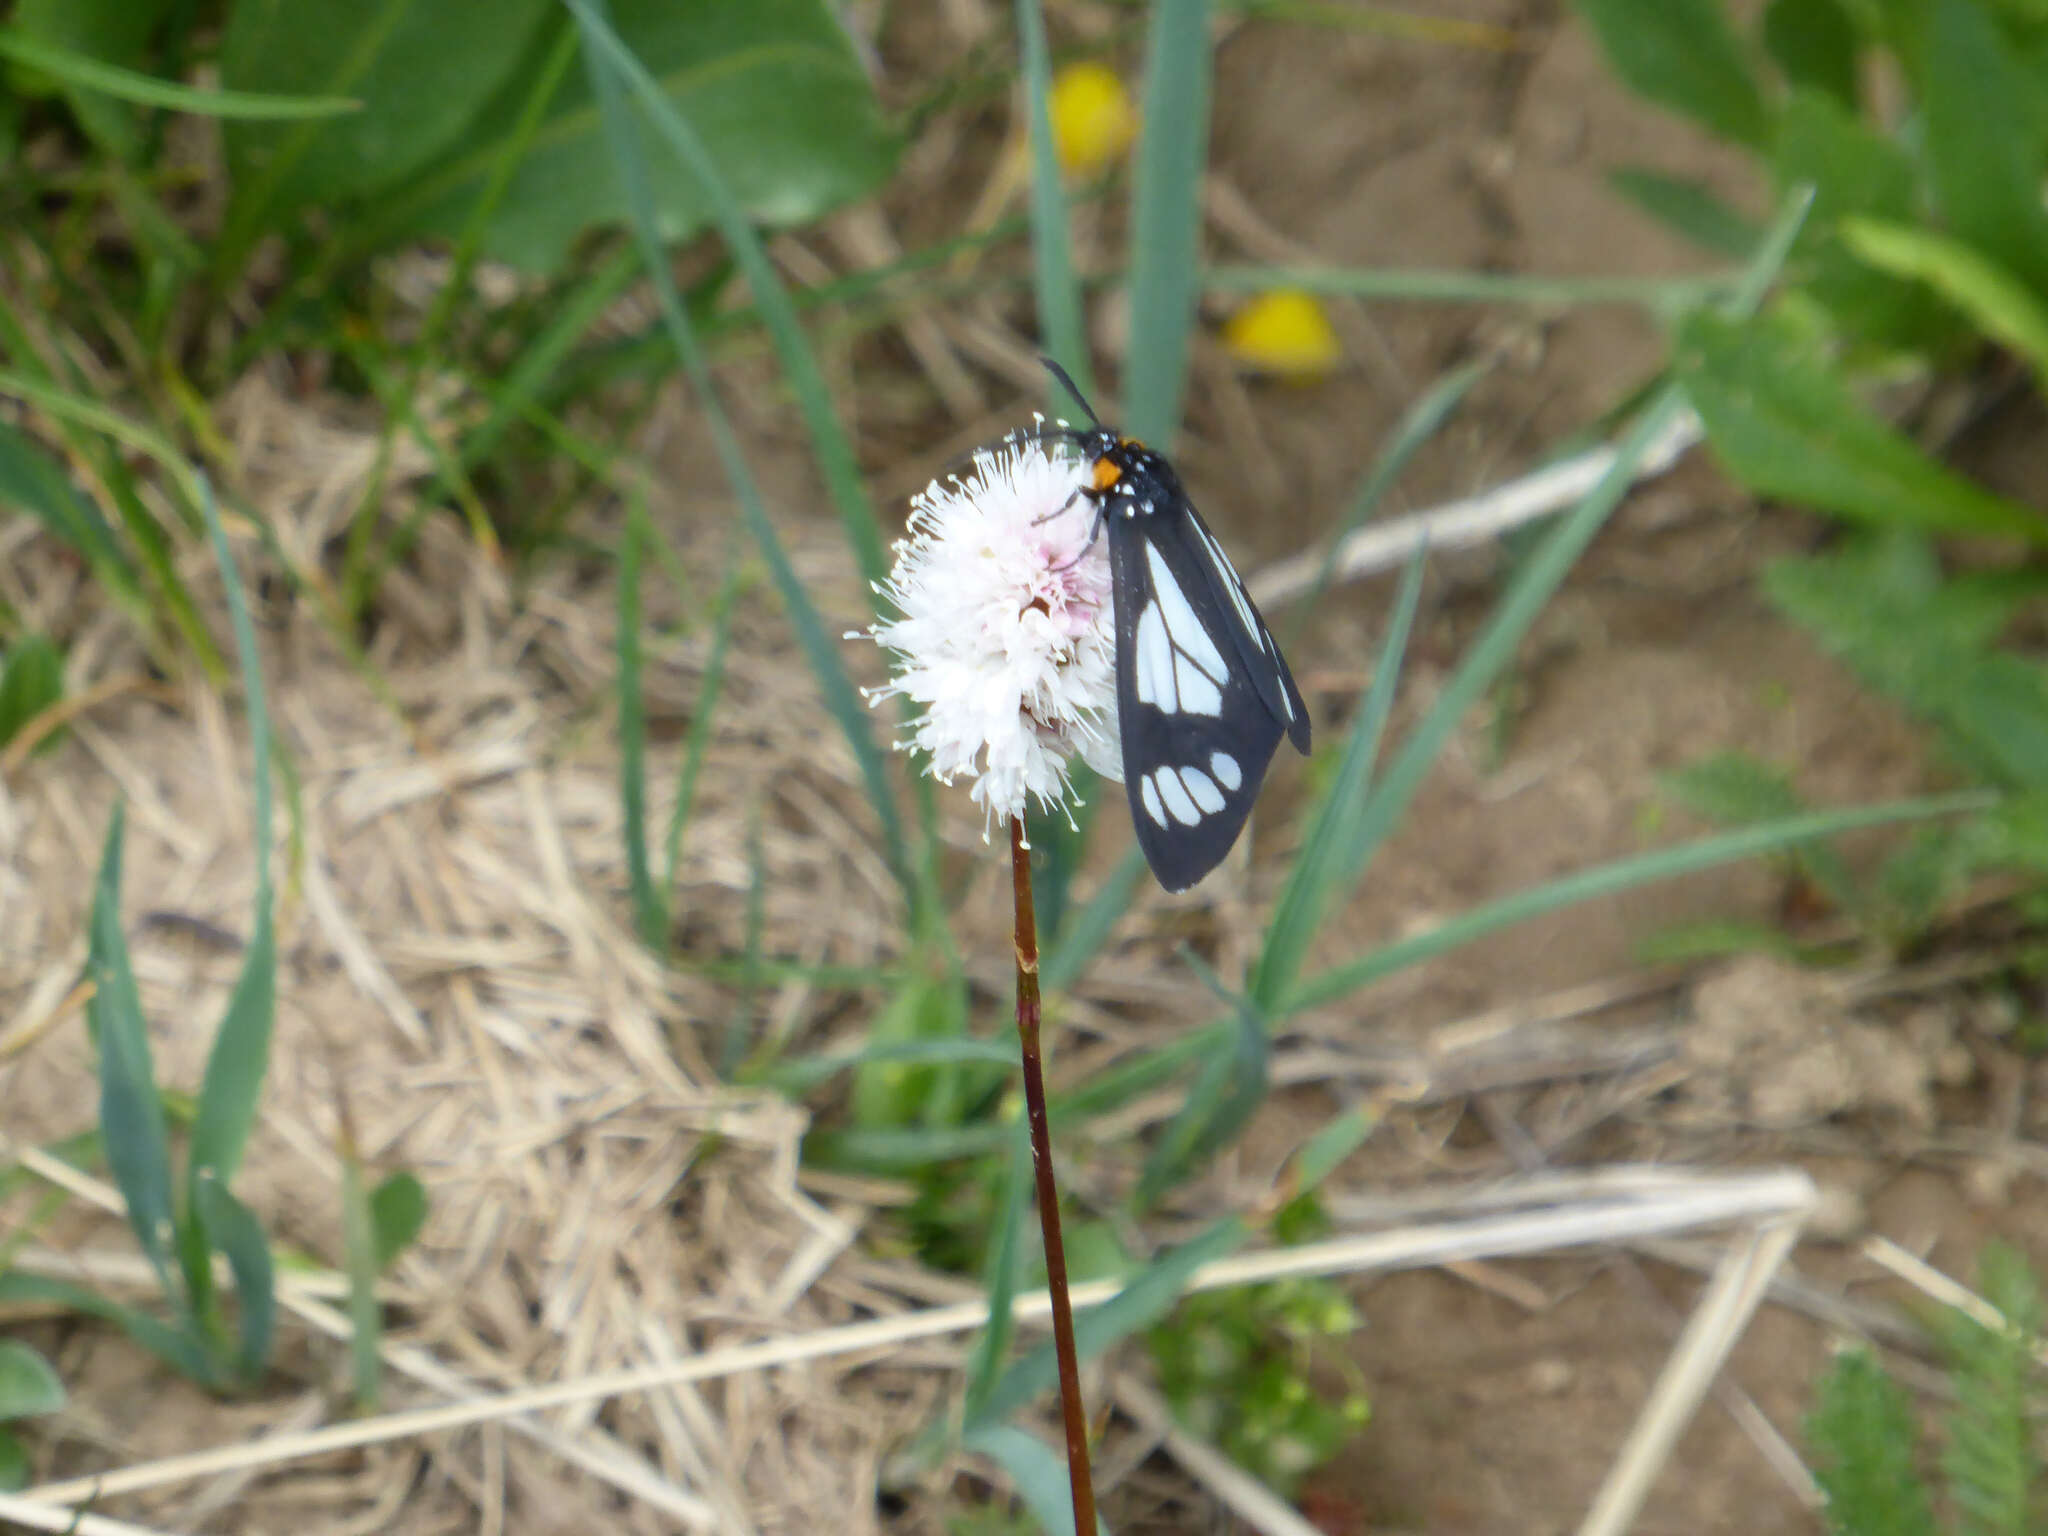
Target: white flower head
(1006, 640)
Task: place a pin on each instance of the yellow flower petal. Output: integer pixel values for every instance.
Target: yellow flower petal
(1093, 121)
(1285, 332)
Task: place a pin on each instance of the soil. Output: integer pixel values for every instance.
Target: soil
(1499, 1395)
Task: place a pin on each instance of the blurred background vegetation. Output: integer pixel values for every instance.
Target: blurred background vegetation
(499, 234)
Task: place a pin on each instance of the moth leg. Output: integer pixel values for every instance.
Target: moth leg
(1094, 533)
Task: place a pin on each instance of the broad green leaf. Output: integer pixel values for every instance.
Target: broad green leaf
(1166, 215)
(14, 1465)
(115, 32)
(398, 1209)
(1688, 209)
(31, 680)
(28, 1384)
(2002, 306)
(1787, 425)
(421, 69)
(131, 1114)
(1682, 54)
(1815, 43)
(1982, 125)
(772, 87)
(1147, 1297)
(1854, 170)
(232, 1229)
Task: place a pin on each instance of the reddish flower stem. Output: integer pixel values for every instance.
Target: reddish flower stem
(1071, 1408)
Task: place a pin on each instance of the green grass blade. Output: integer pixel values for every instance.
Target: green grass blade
(1036, 1471)
(91, 74)
(1338, 841)
(1149, 1296)
(233, 1229)
(799, 366)
(1227, 1093)
(732, 1053)
(1663, 294)
(609, 63)
(30, 478)
(800, 1074)
(1166, 216)
(1088, 929)
(359, 1260)
(1417, 426)
(650, 908)
(1612, 879)
(527, 378)
(887, 1150)
(1540, 575)
(698, 742)
(1115, 1087)
(1334, 1141)
(131, 1114)
(177, 1347)
(240, 1055)
(1061, 329)
(1000, 1274)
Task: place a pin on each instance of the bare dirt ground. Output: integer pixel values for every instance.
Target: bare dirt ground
(462, 989)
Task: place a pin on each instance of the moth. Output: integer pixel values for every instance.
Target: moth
(1203, 694)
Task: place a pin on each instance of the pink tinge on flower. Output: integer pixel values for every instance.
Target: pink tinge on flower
(1005, 639)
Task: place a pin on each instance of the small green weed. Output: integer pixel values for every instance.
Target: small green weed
(1926, 244)
(1867, 1451)
(28, 1388)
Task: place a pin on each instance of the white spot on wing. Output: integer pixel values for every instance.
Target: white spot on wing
(1176, 797)
(1150, 796)
(1155, 660)
(1198, 696)
(1233, 586)
(1203, 789)
(1224, 766)
(1182, 625)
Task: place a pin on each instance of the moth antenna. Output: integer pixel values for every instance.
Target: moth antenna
(1071, 388)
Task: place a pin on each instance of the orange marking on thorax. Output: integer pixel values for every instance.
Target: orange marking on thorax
(1104, 475)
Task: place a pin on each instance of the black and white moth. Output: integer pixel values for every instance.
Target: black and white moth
(1203, 694)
